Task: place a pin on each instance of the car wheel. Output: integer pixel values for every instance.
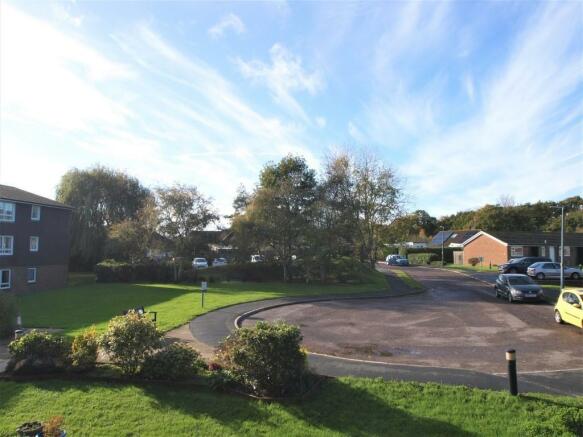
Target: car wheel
(497, 293)
(540, 276)
(513, 270)
(558, 317)
(575, 276)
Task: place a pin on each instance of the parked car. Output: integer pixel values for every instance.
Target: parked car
(569, 308)
(542, 270)
(397, 260)
(516, 287)
(519, 265)
(219, 262)
(257, 258)
(199, 263)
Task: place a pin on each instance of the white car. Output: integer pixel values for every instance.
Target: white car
(199, 263)
(219, 262)
(257, 258)
(542, 270)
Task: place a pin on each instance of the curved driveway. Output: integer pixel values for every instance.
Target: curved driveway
(456, 332)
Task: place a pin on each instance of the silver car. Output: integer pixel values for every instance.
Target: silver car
(542, 270)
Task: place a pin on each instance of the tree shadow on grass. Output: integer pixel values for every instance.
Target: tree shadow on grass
(339, 408)
(354, 411)
(80, 307)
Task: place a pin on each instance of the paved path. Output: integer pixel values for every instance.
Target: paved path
(211, 328)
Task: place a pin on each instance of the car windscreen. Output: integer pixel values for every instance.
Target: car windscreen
(520, 280)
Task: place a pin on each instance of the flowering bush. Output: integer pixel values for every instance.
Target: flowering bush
(266, 358)
(175, 361)
(129, 340)
(84, 350)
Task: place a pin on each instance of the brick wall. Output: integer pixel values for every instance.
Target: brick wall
(47, 277)
(489, 249)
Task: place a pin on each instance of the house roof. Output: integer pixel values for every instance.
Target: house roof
(459, 237)
(533, 238)
(452, 238)
(17, 195)
(439, 237)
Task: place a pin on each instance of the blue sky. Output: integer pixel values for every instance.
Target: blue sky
(469, 101)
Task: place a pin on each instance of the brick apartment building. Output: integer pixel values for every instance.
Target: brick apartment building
(34, 241)
(498, 247)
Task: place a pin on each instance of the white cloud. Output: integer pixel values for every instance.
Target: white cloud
(523, 134)
(230, 21)
(469, 86)
(284, 76)
(321, 121)
(63, 14)
(49, 77)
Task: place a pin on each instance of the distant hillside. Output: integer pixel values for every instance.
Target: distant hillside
(540, 216)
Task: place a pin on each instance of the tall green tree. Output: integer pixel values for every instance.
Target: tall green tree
(281, 207)
(101, 197)
(131, 239)
(378, 200)
(183, 211)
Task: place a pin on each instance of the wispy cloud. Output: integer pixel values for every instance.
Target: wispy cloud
(227, 22)
(284, 76)
(525, 129)
(49, 77)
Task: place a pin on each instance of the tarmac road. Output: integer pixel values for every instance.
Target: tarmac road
(456, 332)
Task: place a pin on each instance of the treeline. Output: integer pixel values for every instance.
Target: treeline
(294, 215)
(504, 216)
(115, 216)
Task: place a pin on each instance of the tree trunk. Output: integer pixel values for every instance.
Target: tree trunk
(285, 272)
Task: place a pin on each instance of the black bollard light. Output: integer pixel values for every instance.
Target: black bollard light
(511, 359)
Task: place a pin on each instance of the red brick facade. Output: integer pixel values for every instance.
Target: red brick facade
(491, 250)
(47, 277)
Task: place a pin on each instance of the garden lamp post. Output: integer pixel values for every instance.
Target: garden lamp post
(562, 208)
(442, 238)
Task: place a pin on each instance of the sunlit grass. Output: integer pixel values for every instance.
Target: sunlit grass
(75, 308)
(347, 406)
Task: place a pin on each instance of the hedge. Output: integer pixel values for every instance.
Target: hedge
(422, 258)
(447, 252)
(255, 272)
(112, 271)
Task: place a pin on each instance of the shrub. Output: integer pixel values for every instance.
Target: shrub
(8, 315)
(422, 258)
(175, 361)
(256, 272)
(129, 340)
(266, 358)
(39, 352)
(474, 261)
(84, 350)
(114, 271)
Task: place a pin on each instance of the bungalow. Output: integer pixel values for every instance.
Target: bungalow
(498, 247)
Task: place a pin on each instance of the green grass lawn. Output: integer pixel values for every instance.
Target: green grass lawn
(407, 279)
(77, 307)
(346, 406)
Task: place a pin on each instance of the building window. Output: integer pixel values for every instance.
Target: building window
(7, 211)
(516, 251)
(542, 251)
(31, 275)
(4, 279)
(34, 244)
(6, 244)
(35, 213)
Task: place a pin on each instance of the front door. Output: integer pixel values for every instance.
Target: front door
(552, 253)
